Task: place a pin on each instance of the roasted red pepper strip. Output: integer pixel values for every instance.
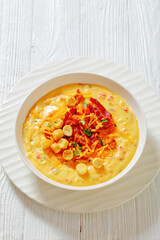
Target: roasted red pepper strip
(100, 107)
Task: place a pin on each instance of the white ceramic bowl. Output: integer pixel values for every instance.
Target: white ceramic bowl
(89, 78)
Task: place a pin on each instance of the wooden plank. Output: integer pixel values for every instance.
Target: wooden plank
(15, 41)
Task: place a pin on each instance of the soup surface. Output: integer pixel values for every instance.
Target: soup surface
(80, 134)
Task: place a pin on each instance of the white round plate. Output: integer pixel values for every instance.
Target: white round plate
(81, 201)
(70, 78)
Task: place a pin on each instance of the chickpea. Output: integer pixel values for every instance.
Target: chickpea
(68, 155)
(97, 162)
(63, 143)
(55, 148)
(71, 101)
(58, 123)
(68, 131)
(57, 134)
(45, 144)
(81, 168)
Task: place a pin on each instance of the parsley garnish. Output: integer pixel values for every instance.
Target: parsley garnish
(103, 121)
(101, 142)
(103, 125)
(76, 153)
(84, 104)
(115, 125)
(87, 132)
(110, 103)
(49, 125)
(74, 144)
(80, 147)
(83, 122)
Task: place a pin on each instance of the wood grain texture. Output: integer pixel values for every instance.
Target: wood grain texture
(35, 32)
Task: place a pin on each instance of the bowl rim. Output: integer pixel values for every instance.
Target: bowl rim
(90, 187)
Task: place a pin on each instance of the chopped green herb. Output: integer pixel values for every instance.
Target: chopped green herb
(90, 160)
(87, 132)
(76, 153)
(50, 125)
(103, 121)
(84, 104)
(103, 125)
(43, 161)
(110, 103)
(115, 125)
(83, 122)
(101, 142)
(111, 109)
(80, 147)
(74, 144)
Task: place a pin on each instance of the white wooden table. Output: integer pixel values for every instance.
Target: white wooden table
(35, 32)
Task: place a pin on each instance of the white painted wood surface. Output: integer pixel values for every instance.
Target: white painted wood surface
(35, 32)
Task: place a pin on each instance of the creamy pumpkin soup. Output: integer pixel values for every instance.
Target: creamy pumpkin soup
(80, 134)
